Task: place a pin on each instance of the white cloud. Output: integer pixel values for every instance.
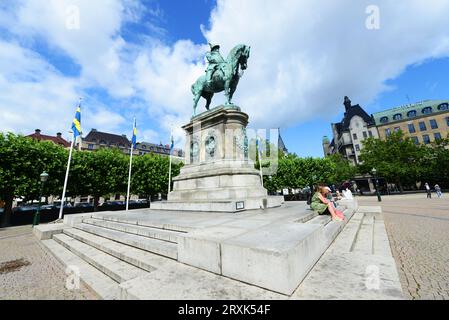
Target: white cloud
(306, 55)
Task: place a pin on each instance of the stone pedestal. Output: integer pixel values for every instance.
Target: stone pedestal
(218, 176)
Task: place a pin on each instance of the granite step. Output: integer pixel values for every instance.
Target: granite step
(150, 232)
(164, 248)
(137, 257)
(96, 280)
(116, 269)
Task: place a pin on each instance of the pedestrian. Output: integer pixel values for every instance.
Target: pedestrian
(438, 190)
(323, 206)
(429, 193)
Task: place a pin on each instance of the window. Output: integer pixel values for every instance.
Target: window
(427, 110)
(365, 135)
(437, 136)
(90, 146)
(411, 128)
(397, 116)
(443, 106)
(384, 120)
(415, 140)
(370, 133)
(411, 114)
(354, 136)
(426, 139)
(357, 147)
(433, 124)
(387, 132)
(397, 129)
(422, 126)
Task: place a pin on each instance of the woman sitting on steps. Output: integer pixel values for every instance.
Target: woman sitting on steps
(324, 206)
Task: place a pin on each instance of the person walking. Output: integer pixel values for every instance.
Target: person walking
(429, 193)
(438, 190)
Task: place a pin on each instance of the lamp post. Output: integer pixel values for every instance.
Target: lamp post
(44, 178)
(376, 184)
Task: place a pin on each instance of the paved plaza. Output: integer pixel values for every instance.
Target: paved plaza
(29, 272)
(418, 229)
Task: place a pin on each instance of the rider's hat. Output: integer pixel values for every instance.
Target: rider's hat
(214, 46)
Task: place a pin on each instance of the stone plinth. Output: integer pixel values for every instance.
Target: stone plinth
(218, 176)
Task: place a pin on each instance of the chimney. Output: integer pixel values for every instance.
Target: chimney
(94, 130)
(59, 135)
(347, 103)
(37, 131)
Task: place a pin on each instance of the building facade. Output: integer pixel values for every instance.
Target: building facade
(424, 122)
(96, 140)
(58, 139)
(164, 150)
(350, 132)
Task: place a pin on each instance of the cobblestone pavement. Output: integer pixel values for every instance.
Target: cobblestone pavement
(418, 229)
(29, 272)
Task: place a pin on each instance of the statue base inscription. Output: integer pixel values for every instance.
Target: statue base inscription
(218, 176)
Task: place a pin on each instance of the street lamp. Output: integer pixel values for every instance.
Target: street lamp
(376, 183)
(44, 178)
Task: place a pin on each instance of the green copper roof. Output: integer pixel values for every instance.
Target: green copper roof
(406, 112)
(325, 139)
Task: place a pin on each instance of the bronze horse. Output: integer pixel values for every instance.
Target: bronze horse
(225, 78)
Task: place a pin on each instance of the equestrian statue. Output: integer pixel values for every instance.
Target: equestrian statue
(221, 74)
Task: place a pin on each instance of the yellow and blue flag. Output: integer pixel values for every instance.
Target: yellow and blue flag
(134, 139)
(172, 145)
(76, 124)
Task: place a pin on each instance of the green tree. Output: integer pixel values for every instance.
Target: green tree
(398, 159)
(435, 163)
(150, 174)
(343, 169)
(22, 160)
(295, 172)
(98, 174)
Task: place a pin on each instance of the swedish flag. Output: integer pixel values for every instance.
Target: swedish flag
(172, 145)
(134, 139)
(76, 125)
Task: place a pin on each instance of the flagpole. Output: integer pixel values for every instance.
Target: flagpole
(130, 166)
(66, 178)
(129, 176)
(260, 163)
(169, 168)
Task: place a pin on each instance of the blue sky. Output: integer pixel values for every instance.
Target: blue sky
(139, 58)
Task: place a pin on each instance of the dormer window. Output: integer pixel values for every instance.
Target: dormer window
(427, 110)
(443, 107)
(397, 116)
(383, 120)
(411, 114)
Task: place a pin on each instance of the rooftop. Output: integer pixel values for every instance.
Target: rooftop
(107, 138)
(406, 111)
(58, 139)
